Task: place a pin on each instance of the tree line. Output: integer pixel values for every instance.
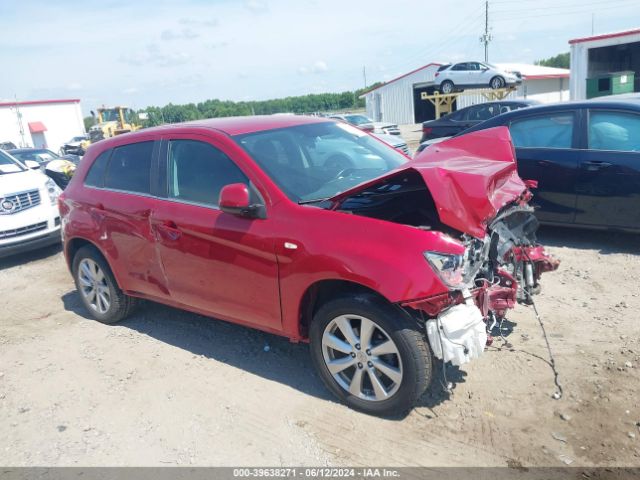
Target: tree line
(311, 103)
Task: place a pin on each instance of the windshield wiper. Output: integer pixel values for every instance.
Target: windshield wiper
(313, 200)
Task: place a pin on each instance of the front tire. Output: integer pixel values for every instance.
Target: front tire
(97, 287)
(447, 87)
(370, 354)
(497, 82)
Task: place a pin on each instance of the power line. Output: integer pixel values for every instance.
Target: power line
(563, 6)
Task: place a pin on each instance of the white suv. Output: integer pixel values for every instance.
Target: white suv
(29, 216)
(452, 78)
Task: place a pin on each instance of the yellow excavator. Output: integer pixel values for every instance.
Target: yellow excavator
(112, 121)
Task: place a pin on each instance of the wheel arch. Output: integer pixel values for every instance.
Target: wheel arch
(323, 290)
(73, 245)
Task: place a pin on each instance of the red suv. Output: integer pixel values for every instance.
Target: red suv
(314, 230)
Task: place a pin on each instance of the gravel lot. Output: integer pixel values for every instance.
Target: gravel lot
(172, 388)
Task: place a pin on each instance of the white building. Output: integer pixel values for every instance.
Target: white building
(399, 100)
(40, 123)
(599, 55)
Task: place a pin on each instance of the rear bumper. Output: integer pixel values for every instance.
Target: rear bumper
(20, 246)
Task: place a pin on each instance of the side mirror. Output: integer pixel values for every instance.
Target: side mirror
(32, 165)
(234, 199)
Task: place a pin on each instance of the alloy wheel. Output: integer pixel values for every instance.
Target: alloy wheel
(362, 357)
(93, 286)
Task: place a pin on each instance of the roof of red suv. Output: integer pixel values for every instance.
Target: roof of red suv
(240, 125)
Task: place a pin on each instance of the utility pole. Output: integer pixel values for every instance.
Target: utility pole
(364, 75)
(486, 37)
(19, 121)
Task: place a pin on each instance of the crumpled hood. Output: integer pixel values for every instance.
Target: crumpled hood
(470, 178)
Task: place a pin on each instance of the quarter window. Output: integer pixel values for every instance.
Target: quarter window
(95, 176)
(616, 131)
(198, 171)
(552, 131)
(130, 168)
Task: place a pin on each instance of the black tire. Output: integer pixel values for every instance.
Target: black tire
(447, 87)
(411, 344)
(120, 306)
(497, 82)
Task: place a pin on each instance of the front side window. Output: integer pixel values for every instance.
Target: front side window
(617, 131)
(548, 131)
(130, 168)
(197, 172)
(320, 160)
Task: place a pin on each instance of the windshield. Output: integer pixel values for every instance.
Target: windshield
(40, 156)
(78, 139)
(357, 119)
(318, 161)
(9, 164)
(110, 115)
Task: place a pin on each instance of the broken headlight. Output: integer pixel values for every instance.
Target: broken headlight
(449, 267)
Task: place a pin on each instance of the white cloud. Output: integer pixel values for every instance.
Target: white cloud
(184, 34)
(130, 91)
(152, 55)
(211, 22)
(256, 6)
(319, 66)
(74, 86)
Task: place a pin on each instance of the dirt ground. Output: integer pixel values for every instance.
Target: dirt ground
(168, 387)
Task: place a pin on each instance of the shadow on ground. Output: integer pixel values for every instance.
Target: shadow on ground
(32, 256)
(269, 356)
(606, 242)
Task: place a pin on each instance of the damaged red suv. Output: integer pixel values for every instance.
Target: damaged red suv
(313, 230)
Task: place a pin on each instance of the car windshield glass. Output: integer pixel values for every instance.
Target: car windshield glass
(39, 156)
(318, 161)
(77, 139)
(357, 119)
(9, 165)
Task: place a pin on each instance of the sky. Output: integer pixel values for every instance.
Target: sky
(153, 52)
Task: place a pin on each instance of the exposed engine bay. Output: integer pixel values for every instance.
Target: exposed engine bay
(495, 273)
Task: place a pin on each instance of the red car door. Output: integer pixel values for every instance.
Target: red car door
(215, 262)
(118, 199)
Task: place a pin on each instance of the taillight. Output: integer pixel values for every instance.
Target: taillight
(427, 130)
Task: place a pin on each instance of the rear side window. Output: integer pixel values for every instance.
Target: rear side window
(95, 176)
(548, 131)
(617, 131)
(130, 168)
(198, 171)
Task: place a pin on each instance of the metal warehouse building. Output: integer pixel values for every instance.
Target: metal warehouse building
(40, 123)
(399, 100)
(605, 64)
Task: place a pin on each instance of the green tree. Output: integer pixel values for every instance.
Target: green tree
(562, 60)
(88, 122)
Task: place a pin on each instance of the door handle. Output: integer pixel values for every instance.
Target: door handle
(169, 230)
(595, 165)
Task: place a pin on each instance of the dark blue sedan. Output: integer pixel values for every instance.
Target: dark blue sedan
(585, 157)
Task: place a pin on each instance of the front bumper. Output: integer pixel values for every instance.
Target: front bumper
(19, 246)
(33, 228)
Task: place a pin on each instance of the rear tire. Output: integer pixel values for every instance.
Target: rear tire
(97, 287)
(447, 87)
(384, 374)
